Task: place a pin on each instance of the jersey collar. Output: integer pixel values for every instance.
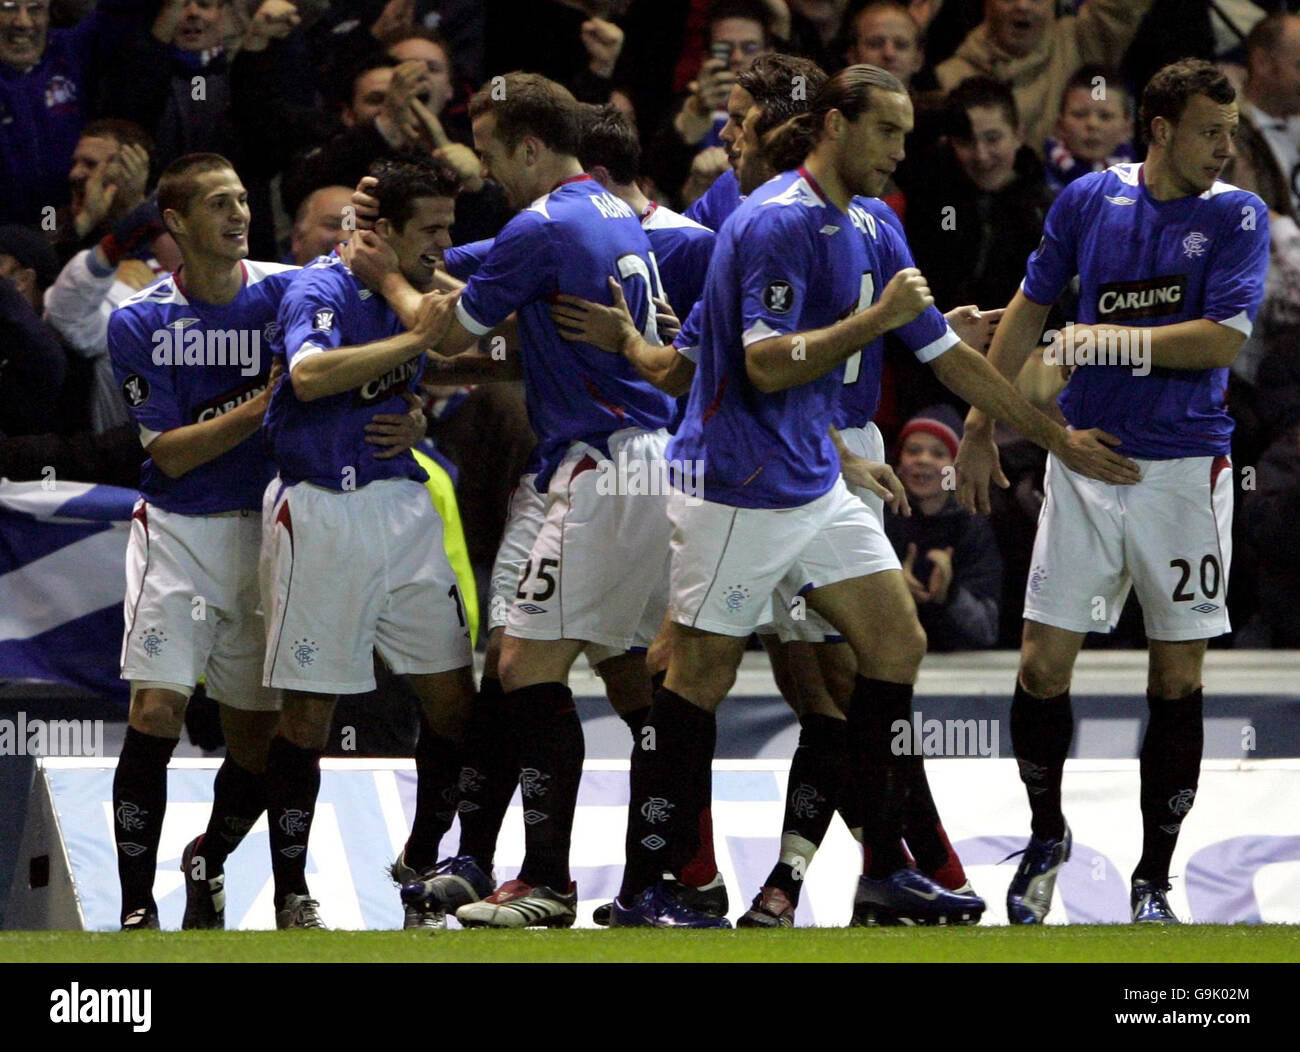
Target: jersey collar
(572, 179)
(650, 210)
(816, 186)
(180, 286)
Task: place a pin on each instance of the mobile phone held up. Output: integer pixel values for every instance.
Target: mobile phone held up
(721, 51)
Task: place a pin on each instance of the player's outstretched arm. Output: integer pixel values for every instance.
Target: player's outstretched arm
(182, 449)
(968, 374)
(792, 359)
(1013, 340)
(612, 328)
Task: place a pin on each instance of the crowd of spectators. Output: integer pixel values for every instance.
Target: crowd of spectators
(1013, 99)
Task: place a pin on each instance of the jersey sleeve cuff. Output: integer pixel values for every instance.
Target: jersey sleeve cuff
(1240, 322)
(302, 353)
(934, 348)
(760, 330)
(1032, 298)
(691, 354)
(147, 436)
(471, 324)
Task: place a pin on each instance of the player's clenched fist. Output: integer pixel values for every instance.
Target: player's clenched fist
(434, 315)
(906, 295)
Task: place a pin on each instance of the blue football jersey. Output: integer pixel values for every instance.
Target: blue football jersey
(712, 208)
(181, 361)
(787, 261)
(323, 441)
(927, 335)
(1144, 263)
(570, 241)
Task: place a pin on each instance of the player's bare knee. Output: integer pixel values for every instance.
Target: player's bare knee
(160, 713)
(1043, 678)
(1172, 684)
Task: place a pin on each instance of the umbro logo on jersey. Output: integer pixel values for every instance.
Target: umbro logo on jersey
(778, 297)
(829, 229)
(1148, 298)
(323, 320)
(1121, 200)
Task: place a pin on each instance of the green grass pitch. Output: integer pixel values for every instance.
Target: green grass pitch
(1102, 943)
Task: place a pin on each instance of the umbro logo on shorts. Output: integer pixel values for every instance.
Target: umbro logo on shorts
(532, 608)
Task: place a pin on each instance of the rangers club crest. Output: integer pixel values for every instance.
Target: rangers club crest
(293, 822)
(736, 597)
(304, 652)
(1194, 244)
(532, 782)
(152, 640)
(130, 816)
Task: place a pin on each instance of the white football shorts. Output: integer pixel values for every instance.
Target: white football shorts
(345, 573)
(1169, 537)
(192, 606)
(797, 622)
(728, 561)
(598, 566)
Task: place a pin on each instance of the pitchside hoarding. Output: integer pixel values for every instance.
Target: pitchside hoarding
(1238, 858)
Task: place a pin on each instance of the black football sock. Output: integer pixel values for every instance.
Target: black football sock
(1041, 729)
(671, 785)
(816, 781)
(437, 792)
(292, 785)
(924, 832)
(139, 800)
(238, 800)
(489, 774)
(551, 751)
(1170, 767)
(635, 720)
(876, 706)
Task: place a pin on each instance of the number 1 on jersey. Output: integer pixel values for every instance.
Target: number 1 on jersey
(853, 364)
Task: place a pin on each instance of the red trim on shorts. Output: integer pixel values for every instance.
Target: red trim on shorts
(587, 463)
(283, 518)
(1217, 467)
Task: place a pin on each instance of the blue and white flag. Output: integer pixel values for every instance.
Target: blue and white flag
(62, 579)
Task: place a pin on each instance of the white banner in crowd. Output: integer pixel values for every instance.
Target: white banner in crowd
(1238, 858)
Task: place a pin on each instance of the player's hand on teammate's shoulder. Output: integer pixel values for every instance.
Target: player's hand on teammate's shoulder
(667, 323)
(397, 432)
(434, 315)
(977, 464)
(1088, 452)
(606, 327)
(974, 327)
(905, 297)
